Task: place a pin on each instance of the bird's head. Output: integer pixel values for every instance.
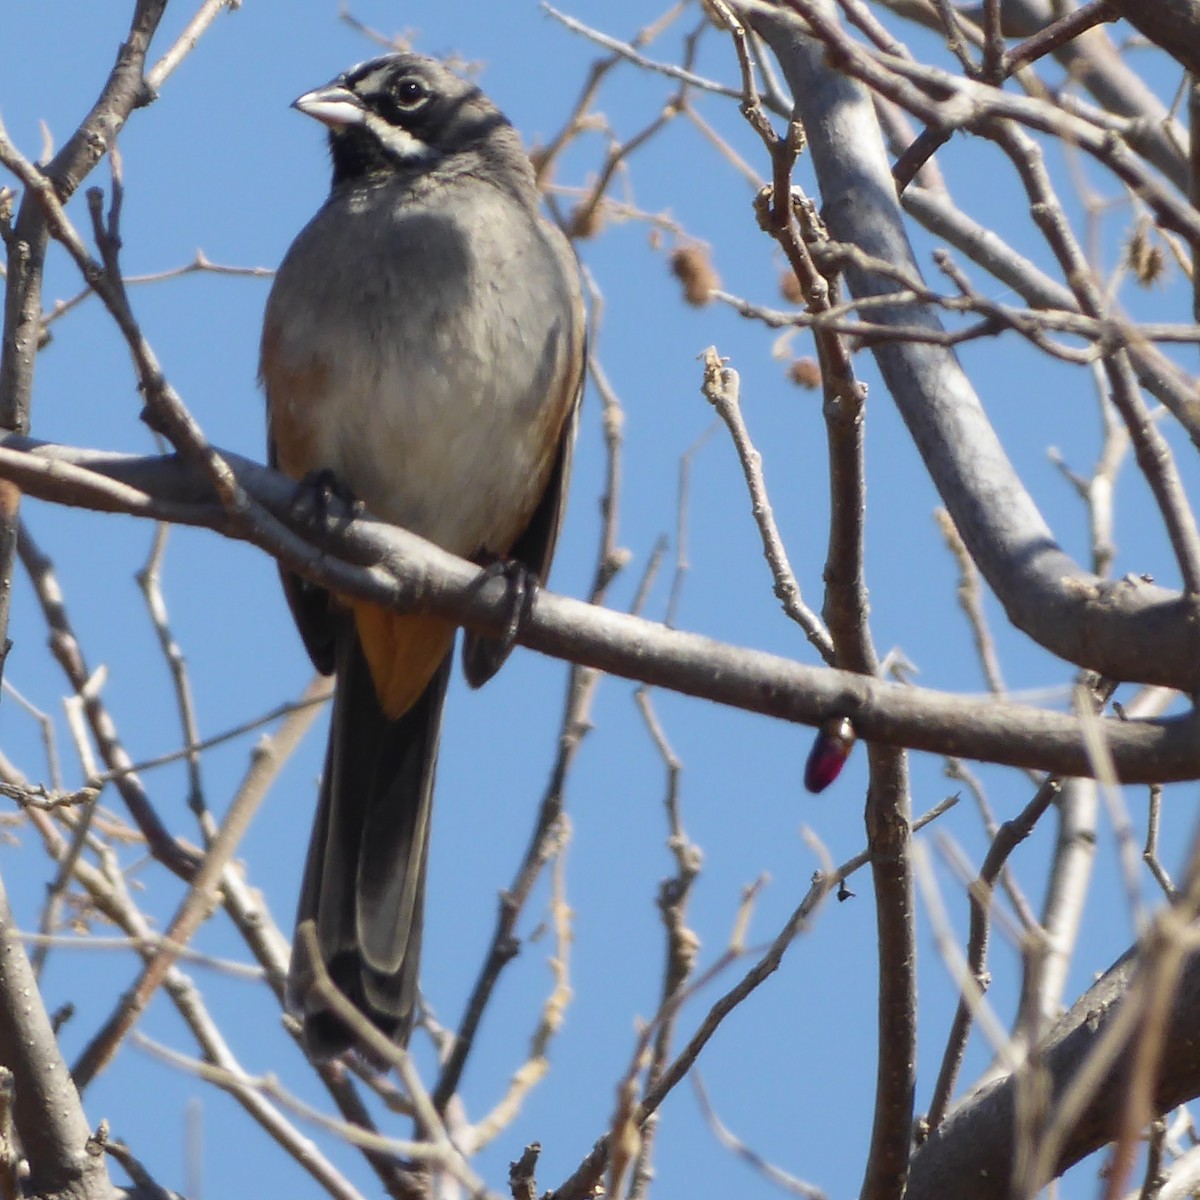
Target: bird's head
(400, 112)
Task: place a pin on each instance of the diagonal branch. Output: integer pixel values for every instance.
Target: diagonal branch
(49, 1118)
(1045, 593)
(366, 558)
(977, 1140)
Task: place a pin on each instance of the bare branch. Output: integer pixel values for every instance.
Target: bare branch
(410, 572)
(49, 1118)
(1036, 581)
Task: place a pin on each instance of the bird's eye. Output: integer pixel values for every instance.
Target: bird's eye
(410, 93)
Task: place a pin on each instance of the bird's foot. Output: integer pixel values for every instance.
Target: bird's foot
(484, 656)
(319, 492)
(522, 585)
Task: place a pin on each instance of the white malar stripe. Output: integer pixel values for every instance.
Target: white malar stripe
(399, 142)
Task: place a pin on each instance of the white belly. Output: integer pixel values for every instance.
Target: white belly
(447, 455)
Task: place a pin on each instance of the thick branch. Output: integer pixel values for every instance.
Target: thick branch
(50, 1121)
(1047, 595)
(973, 1151)
(1172, 25)
(397, 568)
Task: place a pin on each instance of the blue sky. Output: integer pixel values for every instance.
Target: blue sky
(220, 163)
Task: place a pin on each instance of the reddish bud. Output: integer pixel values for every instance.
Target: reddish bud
(830, 750)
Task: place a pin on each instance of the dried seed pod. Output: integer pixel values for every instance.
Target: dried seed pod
(693, 268)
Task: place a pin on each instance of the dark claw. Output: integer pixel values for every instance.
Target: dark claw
(316, 494)
(522, 598)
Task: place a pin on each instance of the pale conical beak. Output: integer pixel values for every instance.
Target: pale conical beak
(333, 105)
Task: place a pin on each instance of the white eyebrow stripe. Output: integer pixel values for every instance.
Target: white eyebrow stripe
(370, 83)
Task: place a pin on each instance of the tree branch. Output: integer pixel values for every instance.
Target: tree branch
(975, 1148)
(50, 1120)
(366, 558)
(1046, 594)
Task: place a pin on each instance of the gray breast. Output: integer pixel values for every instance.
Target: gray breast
(438, 329)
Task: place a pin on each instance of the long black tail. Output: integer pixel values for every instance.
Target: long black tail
(364, 879)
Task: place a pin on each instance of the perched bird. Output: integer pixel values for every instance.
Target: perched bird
(423, 345)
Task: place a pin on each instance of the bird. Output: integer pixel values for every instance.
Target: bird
(423, 346)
